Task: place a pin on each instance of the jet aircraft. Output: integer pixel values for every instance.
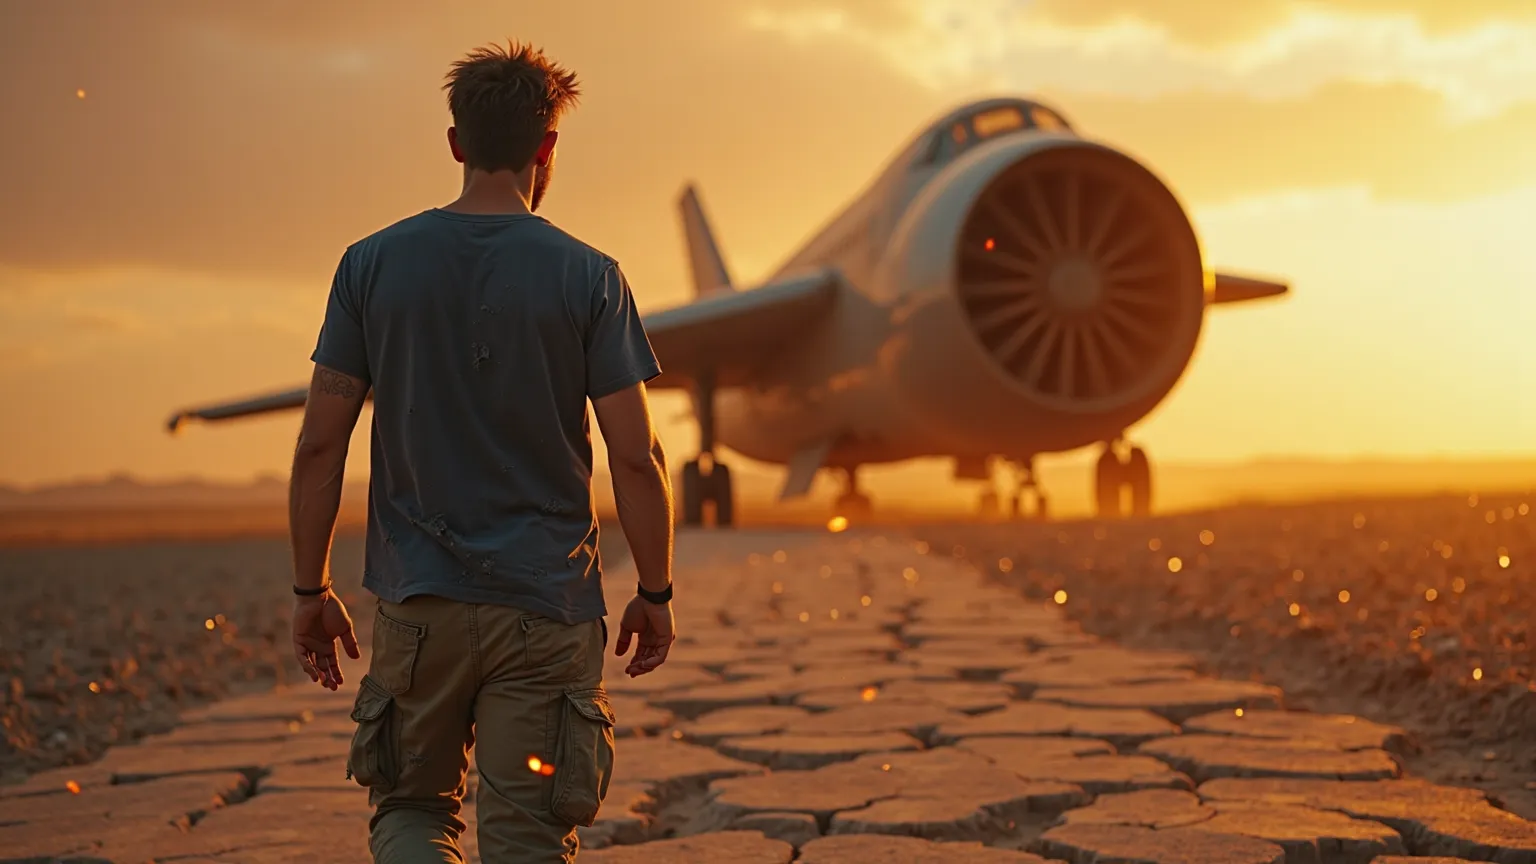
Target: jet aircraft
(1004, 288)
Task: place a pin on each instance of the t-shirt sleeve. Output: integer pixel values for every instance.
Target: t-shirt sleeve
(618, 353)
(341, 345)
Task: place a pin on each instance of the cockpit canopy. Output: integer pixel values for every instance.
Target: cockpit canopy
(986, 121)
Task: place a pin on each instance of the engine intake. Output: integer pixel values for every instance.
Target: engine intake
(1081, 277)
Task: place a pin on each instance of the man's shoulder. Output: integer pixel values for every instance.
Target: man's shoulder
(556, 236)
(402, 229)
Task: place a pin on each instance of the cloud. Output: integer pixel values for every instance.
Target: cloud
(1481, 68)
(47, 315)
(239, 139)
(1205, 22)
(102, 319)
(1391, 139)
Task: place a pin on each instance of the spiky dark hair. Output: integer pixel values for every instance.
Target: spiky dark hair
(503, 100)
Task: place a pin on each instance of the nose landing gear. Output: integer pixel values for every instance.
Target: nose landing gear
(704, 479)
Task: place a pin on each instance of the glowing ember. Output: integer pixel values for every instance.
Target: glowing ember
(94, 687)
(837, 524)
(989, 245)
(548, 770)
(1477, 674)
(79, 94)
(1207, 537)
(1238, 712)
(868, 694)
(1295, 609)
(535, 764)
(1343, 596)
(1060, 597)
(866, 600)
(1431, 594)
(73, 787)
(1175, 565)
(208, 624)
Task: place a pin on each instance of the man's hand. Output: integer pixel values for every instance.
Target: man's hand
(653, 624)
(317, 623)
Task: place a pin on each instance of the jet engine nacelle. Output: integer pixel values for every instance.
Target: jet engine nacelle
(1062, 275)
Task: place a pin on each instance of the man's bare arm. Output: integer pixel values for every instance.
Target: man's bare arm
(319, 464)
(640, 483)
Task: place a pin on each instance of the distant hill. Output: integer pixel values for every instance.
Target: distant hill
(122, 491)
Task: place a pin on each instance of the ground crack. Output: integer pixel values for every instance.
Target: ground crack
(248, 788)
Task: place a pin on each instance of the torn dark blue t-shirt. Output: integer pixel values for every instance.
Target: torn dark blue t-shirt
(483, 337)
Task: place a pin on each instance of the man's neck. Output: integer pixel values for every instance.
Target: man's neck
(488, 194)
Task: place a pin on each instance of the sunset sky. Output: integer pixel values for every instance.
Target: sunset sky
(178, 179)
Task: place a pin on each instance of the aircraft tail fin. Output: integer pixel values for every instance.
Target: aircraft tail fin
(710, 275)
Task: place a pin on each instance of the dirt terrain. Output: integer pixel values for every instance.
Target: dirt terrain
(834, 698)
(105, 643)
(1417, 612)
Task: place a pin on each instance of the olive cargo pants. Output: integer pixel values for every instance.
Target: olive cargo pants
(444, 674)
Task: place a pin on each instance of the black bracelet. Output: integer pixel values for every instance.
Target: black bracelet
(311, 592)
(658, 597)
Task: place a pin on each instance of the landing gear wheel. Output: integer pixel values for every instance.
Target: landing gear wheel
(1109, 477)
(714, 487)
(693, 495)
(1040, 511)
(1028, 491)
(1138, 475)
(853, 504)
(721, 493)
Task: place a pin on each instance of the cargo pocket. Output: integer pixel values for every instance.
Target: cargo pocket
(373, 759)
(583, 757)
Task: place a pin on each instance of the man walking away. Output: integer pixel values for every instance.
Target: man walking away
(482, 331)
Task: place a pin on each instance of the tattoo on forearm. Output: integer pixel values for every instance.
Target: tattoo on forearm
(335, 384)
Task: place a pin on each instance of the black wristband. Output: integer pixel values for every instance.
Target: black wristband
(311, 592)
(658, 597)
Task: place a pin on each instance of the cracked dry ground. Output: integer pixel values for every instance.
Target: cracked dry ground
(834, 699)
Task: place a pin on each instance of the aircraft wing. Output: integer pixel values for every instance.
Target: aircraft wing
(735, 333)
(282, 401)
(1225, 288)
